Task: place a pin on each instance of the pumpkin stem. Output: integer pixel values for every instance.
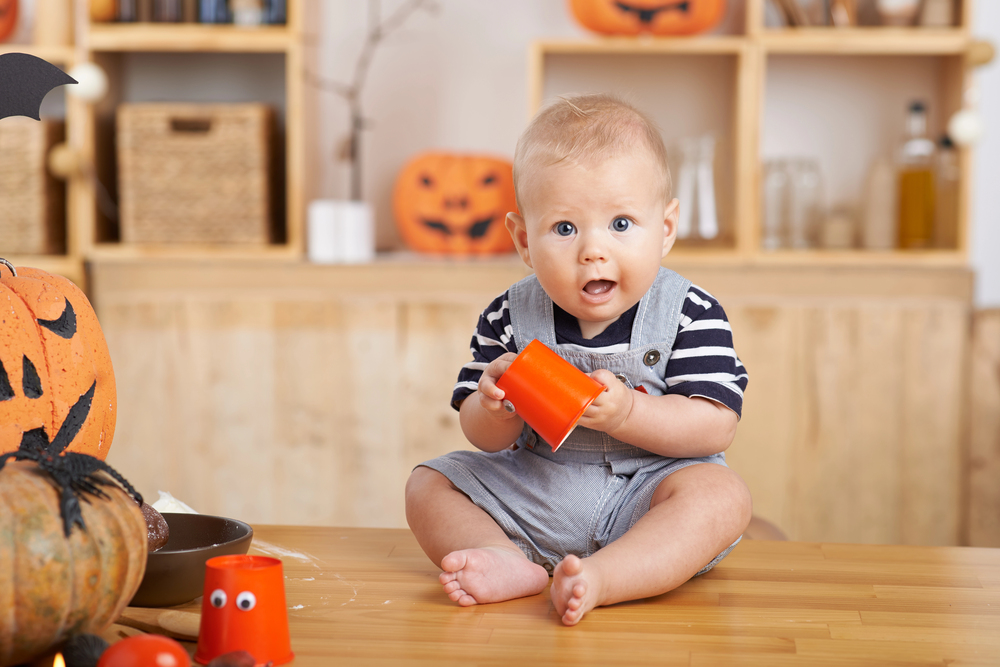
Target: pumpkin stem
(9, 266)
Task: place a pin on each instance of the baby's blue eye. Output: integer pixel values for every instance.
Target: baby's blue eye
(565, 228)
(621, 224)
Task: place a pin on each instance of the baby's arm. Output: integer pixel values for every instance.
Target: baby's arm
(686, 422)
(671, 425)
(485, 422)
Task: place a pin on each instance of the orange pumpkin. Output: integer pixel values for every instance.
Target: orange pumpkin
(53, 586)
(8, 18)
(57, 386)
(657, 17)
(454, 204)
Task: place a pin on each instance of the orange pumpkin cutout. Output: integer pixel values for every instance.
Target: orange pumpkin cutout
(8, 18)
(657, 17)
(454, 204)
(57, 386)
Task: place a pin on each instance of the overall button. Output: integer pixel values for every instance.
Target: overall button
(622, 379)
(548, 567)
(651, 358)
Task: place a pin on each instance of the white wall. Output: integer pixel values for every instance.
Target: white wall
(457, 80)
(985, 233)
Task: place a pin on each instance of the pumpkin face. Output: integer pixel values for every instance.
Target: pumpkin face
(57, 386)
(657, 17)
(52, 586)
(8, 18)
(454, 204)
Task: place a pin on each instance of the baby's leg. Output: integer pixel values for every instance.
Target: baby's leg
(480, 562)
(694, 515)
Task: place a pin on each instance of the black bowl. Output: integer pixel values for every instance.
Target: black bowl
(175, 573)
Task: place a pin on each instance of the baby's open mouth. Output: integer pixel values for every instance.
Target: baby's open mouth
(598, 286)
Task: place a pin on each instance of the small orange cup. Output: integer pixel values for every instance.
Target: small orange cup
(243, 609)
(548, 392)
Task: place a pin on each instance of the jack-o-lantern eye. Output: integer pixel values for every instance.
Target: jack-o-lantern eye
(63, 326)
(426, 181)
(438, 227)
(30, 382)
(490, 180)
(6, 391)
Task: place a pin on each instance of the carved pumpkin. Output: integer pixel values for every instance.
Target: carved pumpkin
(454, 204)
(57, 386)
(53, 586)
(8, 18)
(657, 17)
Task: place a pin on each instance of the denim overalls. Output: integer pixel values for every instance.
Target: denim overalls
(594, 488)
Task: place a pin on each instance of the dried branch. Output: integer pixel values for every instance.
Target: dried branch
(378, 30)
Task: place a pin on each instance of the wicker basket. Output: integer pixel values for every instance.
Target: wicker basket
(195, 174)
(32, 202)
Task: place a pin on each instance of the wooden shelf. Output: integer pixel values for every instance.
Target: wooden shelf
(63, 265)
(57, 55)
(865, 41)
(178, 251)
(643, 45)
(736, 112)
(189, 37)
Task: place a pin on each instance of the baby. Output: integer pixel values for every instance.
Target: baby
(638, 499)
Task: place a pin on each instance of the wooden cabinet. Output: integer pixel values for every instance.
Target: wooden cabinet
(306, 394)
(838, 96)
(91, 228)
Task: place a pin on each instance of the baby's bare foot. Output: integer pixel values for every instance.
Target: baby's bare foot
(575, 589)
(491, 574)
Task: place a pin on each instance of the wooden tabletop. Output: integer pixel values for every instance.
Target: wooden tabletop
(370, 596)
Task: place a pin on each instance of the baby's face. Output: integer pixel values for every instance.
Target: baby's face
(595, 235)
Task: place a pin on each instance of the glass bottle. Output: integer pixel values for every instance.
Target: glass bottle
(774, 199)
(916, 182)
(804, 203)
(947, 174)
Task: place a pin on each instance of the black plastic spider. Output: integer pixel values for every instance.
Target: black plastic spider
(75, 474)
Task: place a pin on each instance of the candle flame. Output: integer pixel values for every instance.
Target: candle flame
(59, 662)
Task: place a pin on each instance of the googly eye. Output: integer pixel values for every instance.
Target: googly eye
(246, 601)
(218, 598)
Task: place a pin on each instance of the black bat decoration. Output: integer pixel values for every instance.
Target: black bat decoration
(24, 81)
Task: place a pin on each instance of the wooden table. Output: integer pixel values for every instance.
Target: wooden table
(370, 596)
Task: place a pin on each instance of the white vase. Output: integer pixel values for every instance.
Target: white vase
(340, 232)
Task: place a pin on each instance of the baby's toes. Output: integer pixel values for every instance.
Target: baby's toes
(452, 586)
(446, 577)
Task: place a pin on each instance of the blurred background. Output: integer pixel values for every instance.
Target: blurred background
(259, 198)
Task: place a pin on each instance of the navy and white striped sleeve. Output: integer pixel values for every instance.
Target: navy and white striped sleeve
(494, 336)
(704, 362)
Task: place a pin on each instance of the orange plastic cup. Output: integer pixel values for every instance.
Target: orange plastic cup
(243, 609)
(548, 392)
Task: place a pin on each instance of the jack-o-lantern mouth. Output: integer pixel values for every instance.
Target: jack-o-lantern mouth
(648, 14)
(477, 230)
(38, 439)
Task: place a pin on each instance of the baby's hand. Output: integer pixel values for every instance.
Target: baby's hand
(490, 395)
(611, 407)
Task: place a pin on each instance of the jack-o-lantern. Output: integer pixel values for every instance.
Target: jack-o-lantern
(657, 17)
(454, 204)
(8, 18)
(57, 386)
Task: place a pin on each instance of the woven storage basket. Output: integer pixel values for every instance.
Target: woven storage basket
(195, 174)
(32, 202)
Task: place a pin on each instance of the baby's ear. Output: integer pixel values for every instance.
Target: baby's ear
(519, 232)
(670, 218)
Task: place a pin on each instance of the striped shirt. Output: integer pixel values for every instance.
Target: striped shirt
(702, 363)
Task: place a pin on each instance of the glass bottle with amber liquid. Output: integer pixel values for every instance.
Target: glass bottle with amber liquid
(916, 182)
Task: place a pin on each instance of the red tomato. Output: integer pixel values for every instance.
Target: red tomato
(145, 651)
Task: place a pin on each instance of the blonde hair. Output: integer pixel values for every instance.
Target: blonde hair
(585, 128)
